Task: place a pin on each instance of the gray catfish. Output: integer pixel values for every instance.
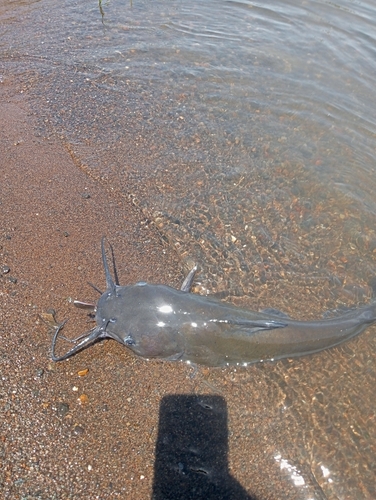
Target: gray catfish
(157, 321)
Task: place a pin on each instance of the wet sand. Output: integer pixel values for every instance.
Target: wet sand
(62, 435)
(93, 436)
(52, 218)
(104, 434)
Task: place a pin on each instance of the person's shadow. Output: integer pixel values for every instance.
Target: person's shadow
(191, 452)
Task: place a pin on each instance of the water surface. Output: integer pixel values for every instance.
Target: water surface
(246, 132)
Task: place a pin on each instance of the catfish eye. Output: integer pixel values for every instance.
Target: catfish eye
(129, 340)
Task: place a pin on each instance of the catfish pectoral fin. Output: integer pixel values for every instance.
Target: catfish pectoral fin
(275, 312)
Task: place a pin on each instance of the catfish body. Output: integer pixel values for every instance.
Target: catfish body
(157, 321)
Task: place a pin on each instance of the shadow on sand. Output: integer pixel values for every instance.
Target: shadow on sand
(191, 453)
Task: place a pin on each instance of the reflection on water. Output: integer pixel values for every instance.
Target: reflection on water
(246, 131)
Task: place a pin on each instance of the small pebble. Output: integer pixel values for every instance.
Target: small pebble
(78, 430)
(62, 409)
(83, 373)
(86, 196)
(5, 269)
(49, 319)
(83, 399)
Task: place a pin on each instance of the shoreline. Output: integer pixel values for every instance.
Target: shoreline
(63, 435)
(52, 219)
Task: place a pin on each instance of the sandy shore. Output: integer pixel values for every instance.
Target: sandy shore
(130, 428)
(62, 435)
(54, 444)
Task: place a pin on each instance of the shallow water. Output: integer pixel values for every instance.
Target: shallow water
(246, 132)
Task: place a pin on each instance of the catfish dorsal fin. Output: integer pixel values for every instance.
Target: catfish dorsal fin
(109, 281)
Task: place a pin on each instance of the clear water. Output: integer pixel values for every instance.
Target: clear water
(247, 132)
